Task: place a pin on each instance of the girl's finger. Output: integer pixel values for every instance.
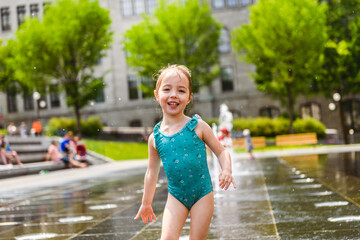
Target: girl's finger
(233, 183)
(137, 216)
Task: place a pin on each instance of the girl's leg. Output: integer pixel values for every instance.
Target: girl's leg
(175, 214)
(201, 214)
(14, 154)
(3, 157)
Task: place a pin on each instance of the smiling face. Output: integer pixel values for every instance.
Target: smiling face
(173, 92)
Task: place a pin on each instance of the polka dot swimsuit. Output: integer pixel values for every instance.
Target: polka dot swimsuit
(183, 155)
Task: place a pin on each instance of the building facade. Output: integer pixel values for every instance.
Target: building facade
(123, 104)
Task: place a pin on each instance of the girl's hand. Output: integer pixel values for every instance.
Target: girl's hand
(225, 179)
(146, 212)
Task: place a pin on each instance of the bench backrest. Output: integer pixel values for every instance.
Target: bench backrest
(296, 139)
(257, 142)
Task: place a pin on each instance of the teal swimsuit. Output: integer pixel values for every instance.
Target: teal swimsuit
(183, 155)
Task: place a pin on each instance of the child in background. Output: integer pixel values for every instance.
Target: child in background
(179, 141)
(248, 143)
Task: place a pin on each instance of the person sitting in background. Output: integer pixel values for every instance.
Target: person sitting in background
(80, 150)
(11, 129)
(56, 156)
(7, 154)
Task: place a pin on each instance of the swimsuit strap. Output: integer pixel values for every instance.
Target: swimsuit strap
(156, 129)
(193, 122)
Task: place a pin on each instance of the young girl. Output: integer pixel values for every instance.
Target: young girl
(179, 141)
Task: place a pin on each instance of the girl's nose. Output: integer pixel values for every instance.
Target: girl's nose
(173, 93)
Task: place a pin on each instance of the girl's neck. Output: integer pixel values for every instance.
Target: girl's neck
(173, 119)
(172, 124)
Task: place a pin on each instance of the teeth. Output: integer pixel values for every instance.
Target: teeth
(173, 104)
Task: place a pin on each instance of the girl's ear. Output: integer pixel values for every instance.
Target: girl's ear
(156, 95)
(190, 97)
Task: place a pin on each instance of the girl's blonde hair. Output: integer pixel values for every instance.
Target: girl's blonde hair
(178, 69)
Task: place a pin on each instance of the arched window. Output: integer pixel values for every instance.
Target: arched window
(352, 113)
(135, 123)
(227, 79)
(224, 46)
(270, 112)
(310, 109)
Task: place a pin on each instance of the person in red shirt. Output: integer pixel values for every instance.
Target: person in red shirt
(56, 156)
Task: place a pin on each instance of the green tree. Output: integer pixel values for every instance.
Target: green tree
(341, 69)
(178, 33)
(285, 41)
(65, 45)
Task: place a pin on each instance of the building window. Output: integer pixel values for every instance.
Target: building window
(151, 5)
(100, 97)
(28, 102)
(45, 6)
(140, 87)
(5, 19)
(139, 7)
(352, 114)
(34, 10)
(136, 7)
(133, 90)
(54, 96)
(11, 101)
(147, 85)
(218, 4)
(135, 123)
(227, 79)
(270, 112)
(21, 11)
(310, 110)
(232, 3)
(224, 46)
(246, 2)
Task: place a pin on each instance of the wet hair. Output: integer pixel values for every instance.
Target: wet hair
(179, 69)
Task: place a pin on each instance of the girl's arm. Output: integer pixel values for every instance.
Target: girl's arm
(205, 133)
(151, 176)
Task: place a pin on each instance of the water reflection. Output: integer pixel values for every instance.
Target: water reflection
(349, 163)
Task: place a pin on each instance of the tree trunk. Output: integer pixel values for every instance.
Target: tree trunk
(342, 123)
(290, 107)
(78, 119)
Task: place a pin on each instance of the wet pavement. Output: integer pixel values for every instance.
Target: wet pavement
(294, 197)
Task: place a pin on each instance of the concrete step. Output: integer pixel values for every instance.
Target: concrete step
(22, 149)
(33, 157)
(29, 168)
(13, 140)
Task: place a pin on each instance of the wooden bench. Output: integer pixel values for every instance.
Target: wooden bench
(296, 139)
(257, 142)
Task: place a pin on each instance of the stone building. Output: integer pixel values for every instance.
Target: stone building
(122, 103)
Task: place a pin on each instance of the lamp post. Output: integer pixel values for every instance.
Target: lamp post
(36, 97)
(332, 106)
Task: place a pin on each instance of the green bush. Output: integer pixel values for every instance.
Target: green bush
(3, 132)
(58, 126)
(211, 121)
(309, 125)
(271, 127)
(91, 127)
(281, 126)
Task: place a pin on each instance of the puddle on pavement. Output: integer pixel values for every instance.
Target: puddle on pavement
(302, 205)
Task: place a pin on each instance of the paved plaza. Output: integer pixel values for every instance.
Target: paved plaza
(303, 194)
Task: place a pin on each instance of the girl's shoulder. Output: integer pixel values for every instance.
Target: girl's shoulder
(151, 140)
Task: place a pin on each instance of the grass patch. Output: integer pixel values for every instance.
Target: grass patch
(267, 148)
(118, 150)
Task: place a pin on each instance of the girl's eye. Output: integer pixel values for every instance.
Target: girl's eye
(182, 91)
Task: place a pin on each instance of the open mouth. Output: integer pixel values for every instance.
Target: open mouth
(173, 104)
